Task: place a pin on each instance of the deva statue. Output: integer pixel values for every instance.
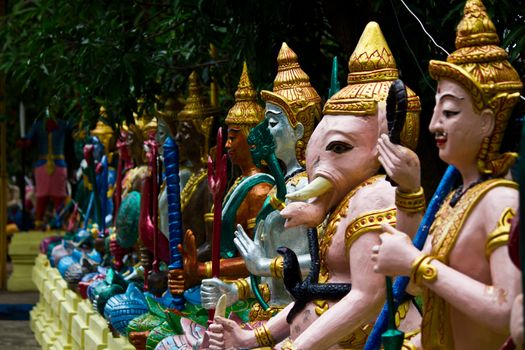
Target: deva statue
(292, 110)
(464, 272)
(348, 199)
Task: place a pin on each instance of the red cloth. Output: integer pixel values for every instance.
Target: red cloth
(53, 185)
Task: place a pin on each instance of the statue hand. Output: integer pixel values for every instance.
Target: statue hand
(190, 262)
(400, 163)
(395, 254)
(227, 334)
(252, 252)
(213, 288)
(516, 322)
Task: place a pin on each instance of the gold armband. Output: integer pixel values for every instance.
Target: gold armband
(263, 336)
(208, 269)
(411, 202)
(243, 288)
(276, 267)
(368, 222)
(500, 236)
(422, 269)
(208, 217)
(276, 203)
(250, 224)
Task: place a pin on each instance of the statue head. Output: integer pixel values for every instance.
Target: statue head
(293, 108)
(194, 124)
(477, 83)
(167, 122)
(242, 117)
(104, 133)
(342, 151)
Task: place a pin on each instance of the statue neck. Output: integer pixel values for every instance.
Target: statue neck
(469, 173)
(292, 166)
(249, 169)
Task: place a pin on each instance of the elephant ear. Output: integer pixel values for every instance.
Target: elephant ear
(261, 142)
(396, 110)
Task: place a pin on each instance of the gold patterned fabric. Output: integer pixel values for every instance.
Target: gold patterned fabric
(372, 70)
(293, 92)
(246, 111)
(483, 69)
(191, 186)
(436, 329)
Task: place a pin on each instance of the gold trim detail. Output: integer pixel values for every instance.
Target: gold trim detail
(372, 70)
(276, 203)
(276, 267)
(246, 111)
(190, 187)
(500, 236)
(332, 225)
(257, 313)
(263, 336)
(422, 270)
(243, 288)
(411, 202)
(208, 269)
(367, 223)
(437, 331)
(250, 223)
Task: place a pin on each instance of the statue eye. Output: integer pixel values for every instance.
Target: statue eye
(339, 147)
(272, 122)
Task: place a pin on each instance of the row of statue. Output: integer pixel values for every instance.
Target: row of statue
(325, 239)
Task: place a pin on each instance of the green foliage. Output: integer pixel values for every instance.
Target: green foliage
(75, 55)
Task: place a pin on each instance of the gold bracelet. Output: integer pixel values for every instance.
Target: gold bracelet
(423, 270)
(208, 217)
(276, 267)
(263, 336)
(243, 288)
(250, 223)
(208, 269)
(411, 202)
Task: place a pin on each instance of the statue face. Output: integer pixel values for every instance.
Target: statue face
(190, 142)
(163, 131)
(285, 136)
(237, 147)
(458, 128)
(343, 150)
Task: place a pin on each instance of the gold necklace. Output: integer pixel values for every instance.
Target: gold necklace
(190, 188)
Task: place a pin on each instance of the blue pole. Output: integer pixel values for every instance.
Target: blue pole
(401, 282)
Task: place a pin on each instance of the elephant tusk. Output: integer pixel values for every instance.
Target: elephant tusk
(316, 188)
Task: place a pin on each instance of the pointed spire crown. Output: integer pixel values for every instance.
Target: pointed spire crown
(483, 69)
(372, 71)
(197, 105)
(246, 110)
(372, 59)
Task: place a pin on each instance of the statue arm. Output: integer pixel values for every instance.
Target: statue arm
(489, 304)
(357, 308)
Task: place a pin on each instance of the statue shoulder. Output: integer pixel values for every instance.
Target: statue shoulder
(496, 201)
(379, 195)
